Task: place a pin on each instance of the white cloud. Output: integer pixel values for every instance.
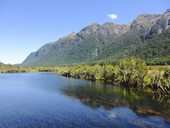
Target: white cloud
(112, 16)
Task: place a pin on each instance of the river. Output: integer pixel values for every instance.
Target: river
(46, 100)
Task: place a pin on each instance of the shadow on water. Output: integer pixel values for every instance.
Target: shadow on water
(96, 95)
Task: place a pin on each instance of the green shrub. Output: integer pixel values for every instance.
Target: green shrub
(132, 72)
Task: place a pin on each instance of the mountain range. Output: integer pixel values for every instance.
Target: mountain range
(146, 37)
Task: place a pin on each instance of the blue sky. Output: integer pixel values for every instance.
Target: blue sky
(26, 25)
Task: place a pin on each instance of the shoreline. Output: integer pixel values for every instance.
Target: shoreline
(129, 73)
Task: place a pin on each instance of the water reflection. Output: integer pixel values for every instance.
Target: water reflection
(46, 100)
(108, 97)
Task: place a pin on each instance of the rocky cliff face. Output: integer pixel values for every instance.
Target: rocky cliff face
(145, 21)
(96, 41)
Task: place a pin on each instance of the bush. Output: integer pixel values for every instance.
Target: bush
(132, 72)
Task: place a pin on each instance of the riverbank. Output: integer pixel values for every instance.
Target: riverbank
(130, 73)
(22, 69)
(16, 69)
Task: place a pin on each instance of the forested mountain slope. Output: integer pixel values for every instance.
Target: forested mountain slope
(146, 37)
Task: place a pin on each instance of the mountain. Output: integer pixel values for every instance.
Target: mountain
(156, 50)
(109, 42)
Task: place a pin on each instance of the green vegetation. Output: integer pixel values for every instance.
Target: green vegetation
(156, 51)
(4, 68)
(15, 69)
(147, 37)
(130, 72)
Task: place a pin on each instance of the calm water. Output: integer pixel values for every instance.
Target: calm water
(45, 100)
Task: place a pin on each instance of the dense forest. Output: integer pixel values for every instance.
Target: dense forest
(156, 51)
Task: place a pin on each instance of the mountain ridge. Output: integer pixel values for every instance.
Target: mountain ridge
(98, 42)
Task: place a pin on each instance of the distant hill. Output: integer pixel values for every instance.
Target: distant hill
(147, 37)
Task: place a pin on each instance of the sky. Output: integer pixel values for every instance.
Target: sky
(26, 25)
